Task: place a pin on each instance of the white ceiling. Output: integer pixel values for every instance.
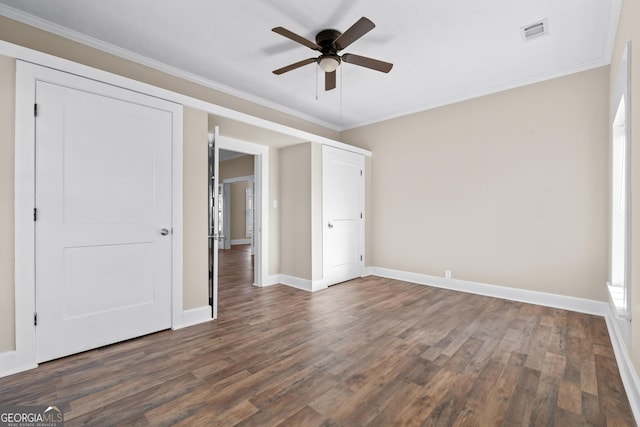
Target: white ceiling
(443, 51)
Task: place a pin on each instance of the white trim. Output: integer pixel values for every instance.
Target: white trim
(10, 364)
(30, 55)
(261, 211)
(626, 368)
(177, 234)
(67, 33)
(26, 76)
(240, 242)
(291, 281)
(25, 172)
(24, 285)
(194, 316)
(330, 274)
(238, 179)
(318, 285)
(564, 302)
(273, 279)
(614, 18)
(483, 92)
(627, 371)
(296, 282)
(621, 91)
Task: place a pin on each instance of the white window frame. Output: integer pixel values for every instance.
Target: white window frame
(619, 284)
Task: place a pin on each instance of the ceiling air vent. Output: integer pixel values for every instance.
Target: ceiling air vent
(534, 30)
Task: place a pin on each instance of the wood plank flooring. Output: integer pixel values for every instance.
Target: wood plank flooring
(368, 352)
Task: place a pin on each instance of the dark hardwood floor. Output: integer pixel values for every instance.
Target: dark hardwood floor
(368, 352)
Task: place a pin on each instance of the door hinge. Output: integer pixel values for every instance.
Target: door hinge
(35, 318)
(35, 214)
(360, 172)
(35, 110)
(360, 257)
(360, 215)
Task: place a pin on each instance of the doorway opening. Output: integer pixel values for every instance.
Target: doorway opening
(236, 224)
(240, 254)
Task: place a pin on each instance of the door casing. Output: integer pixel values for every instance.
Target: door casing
(261, 204)
(27, 74)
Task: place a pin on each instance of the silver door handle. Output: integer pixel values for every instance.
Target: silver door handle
(164, 231)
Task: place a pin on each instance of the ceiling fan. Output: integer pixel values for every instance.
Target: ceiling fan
(329, 43)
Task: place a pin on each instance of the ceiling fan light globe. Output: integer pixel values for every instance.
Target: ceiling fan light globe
(329, 63)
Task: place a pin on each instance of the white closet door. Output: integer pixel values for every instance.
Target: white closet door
(103, 232)
(343, 211)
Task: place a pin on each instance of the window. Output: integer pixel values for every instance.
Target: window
(620, 210)
(618, 285)
(248, 227)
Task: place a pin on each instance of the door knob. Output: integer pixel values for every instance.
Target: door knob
(164, 231)
(330, 225)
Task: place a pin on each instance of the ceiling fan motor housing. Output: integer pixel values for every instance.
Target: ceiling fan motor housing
(325, 39)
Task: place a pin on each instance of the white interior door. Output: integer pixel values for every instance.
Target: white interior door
(214, 219)
(103, 229)
(225, 237)
(343, 214)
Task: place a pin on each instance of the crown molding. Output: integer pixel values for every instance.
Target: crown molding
(59, 30)
(538, 78)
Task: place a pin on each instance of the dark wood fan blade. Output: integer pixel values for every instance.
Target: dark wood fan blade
(296, 38)
(357, 30)
(329, 80)
(363, 61)
(294, 66)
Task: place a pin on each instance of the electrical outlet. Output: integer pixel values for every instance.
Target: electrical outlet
(447, 274)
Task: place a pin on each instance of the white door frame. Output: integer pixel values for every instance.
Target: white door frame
(23, 357)
(227, 189)
(25, 336)
(327, 278)
(226, 216)
(261, 202)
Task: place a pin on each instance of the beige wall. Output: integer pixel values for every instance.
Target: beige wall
(195, 290)
(629, 30)
(274, 211)
(195, 195)
(234, 168)
(295, 211)
(237, 194)
(507, 189)
(7, 121)
(317, 223)
(24, 35)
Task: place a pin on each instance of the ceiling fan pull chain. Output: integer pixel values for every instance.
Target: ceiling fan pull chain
(316, 83)
(341, 86)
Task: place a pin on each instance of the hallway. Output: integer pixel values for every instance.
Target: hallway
(235, 278)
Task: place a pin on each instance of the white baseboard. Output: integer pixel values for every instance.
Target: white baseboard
(9, 364)
(295, 282)
(195, 316)
(581, 305)
(271, 280)
(318, 285)
(240, 241)
(627, 371)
